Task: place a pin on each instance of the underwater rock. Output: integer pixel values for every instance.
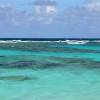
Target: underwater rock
(21, 64)
(52, 64)
(47, 65)
(2, 56)
(17, 78)
(83, 62)
(93, 64)
(70, 60)
(87, 63)
(2, 64)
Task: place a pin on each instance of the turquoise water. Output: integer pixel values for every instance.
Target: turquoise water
(45, 73)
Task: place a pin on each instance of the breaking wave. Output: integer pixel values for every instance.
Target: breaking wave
(57, 41)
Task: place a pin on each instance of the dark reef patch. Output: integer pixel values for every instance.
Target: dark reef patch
(49, 65)
(17, 78)
(52, 62)
(18, 64)
(82, 62)
(2, 56)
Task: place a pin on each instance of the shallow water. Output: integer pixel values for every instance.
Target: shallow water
(40, 71)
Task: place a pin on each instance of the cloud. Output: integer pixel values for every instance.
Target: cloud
(92, 5)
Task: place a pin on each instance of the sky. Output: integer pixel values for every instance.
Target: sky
(72, 23)
(27, 4)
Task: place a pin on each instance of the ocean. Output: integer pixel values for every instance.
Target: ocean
(47, 69)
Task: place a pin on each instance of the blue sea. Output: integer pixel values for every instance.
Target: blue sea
(49, 69)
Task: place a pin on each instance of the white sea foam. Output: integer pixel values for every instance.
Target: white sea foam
(19, 41)
(57, 41)
(98, 41)
(76, 42)
(13, 41)
(7, 41)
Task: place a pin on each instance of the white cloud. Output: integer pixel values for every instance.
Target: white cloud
(92, 5)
